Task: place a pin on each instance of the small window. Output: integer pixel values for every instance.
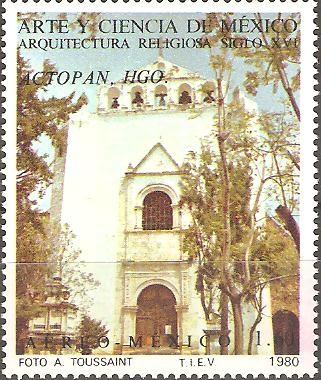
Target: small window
(157, 211)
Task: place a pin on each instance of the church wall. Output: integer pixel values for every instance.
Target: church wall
(262, 343)
(101, 185)
(193, 315)
(153, 246)
(97, 160)
(98, 157)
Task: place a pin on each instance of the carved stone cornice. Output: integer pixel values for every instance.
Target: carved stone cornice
(130, 309)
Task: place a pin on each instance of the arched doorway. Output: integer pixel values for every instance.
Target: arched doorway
(156, 315)
(285, 333)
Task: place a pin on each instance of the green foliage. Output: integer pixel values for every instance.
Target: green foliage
(251, 143)
(279, 65)
(37, 116)
(276, 250)
(202, 194)
(256, 162)
(274, 63)
(71, 269)
(91, 330)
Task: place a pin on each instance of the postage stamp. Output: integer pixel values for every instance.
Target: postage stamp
(159, 188)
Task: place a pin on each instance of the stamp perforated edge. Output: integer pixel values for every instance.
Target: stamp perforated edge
(316, 98)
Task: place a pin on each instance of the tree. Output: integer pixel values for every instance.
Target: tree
(278, 61)
(66, 262)
(274, 62)
(268, 156)
(90, 331)
(281, 138)
(220, 229)
(277, 253)
(223, 189)
(37, 116)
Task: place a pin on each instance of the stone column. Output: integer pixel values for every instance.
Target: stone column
(215, 338)
(127, 99)
(172, 98)
(149, 97)
(183, 335)
(129, 323)
(102, 100)
(138, 217)
(176, 217)
(199, 94)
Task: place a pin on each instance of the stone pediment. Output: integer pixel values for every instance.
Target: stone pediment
(157, 160)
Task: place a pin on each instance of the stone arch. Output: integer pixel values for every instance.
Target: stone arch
(156, 187)
(137, 97)
(157, 281)
(113, 94)
(160, 95)
(186, 89)
(157, 211)
(285, 333)
(176, 216)
(156, 314)
(208, 92)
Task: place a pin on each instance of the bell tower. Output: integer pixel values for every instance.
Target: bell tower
(122, 174)
(156, 303)
(154, 270)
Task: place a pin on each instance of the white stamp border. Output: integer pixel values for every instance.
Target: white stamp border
(232, 365)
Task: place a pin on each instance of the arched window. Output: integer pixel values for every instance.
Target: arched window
(157, 211)
(286, 333)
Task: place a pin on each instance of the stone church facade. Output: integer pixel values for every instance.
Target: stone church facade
(157, 279)
(117, 185)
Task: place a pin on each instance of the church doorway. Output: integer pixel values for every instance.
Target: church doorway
(286, 333)
(156, 315)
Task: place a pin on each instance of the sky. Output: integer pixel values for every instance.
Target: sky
(117, 61)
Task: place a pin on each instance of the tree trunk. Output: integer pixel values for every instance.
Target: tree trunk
(289, 223)
(227, 279)
(238, 326)
(201, 290)
(252, 331)
(224, 322)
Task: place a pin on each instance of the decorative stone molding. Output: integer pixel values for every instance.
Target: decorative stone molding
(154, 281)
(130, 309)
(181, 308)
(157, 187)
